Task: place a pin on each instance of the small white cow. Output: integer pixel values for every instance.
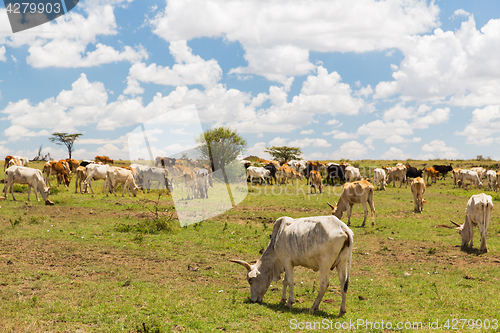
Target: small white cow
(23, 175)
(117, 175)
(258, 172)
(481, 172)
(492, 180)
(154, 174)
(96, 171)
(379, 178)
(81, 175)
(418, 190)
(352, 174)
(397, 173)
(469, 175)
(23, 159)
(202, 183)
(319, 243)
(478, 213)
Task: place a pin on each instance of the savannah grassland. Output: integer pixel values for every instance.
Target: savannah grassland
(96, 264)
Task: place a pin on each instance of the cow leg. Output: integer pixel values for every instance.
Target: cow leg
(483, 247)
(12, 191)
(283, 292)
(365, 210)
(324, 272)
(289, 281)
(349, 212)
(342, 269)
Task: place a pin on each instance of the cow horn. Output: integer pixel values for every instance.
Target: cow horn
(329, 204)
(242, 263)
(458, 225)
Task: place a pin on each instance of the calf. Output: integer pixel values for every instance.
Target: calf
(432, 173)
(397, 173)
(443, 170)
(285, 173)
(81, 175)
(58, 169)
(492, 180)
(316, 181)
(456, 175)
(23, 175)
(202, 183)
(418, 190)
(352, 174)
(379, 178)
(96, 172)
(478, 213)
(319, 243)
(358, 192)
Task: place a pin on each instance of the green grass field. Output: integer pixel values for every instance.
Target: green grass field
(92, 263)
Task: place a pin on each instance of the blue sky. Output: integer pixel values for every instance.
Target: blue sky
(359, 79)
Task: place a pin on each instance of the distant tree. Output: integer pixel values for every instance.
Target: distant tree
(220, 146)
(284, 153)
(65, 139)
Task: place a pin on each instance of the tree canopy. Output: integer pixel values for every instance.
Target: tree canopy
(65, 139)
(220, 146)
(284, 153)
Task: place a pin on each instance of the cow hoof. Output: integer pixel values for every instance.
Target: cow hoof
(289, 305)
(312, 310)
(49, 202)
(282, 301)
(341, 313)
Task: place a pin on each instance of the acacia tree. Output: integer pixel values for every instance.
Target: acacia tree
(284, 153)
(220, 146)
(65, 139)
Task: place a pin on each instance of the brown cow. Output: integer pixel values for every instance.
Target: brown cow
(104, 159)
(81, 175)
(73, 164)
(360, 191)
(418, 190)
(53, 168)
(7, 160)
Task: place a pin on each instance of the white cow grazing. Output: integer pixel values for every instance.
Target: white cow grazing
(23, 175)
(319, 243)
(492, 179)
(117, 175)
(23, 159)
(96, 171)
(418, 190)
(257, 172)
(379, 178)
(352, 174)
(358, 192)
(154, 174)
(469, 175)
(397, 173)
(478, 213)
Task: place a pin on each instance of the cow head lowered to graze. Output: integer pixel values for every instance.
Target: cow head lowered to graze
(319, 243)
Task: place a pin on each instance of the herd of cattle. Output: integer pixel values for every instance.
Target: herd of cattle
(325, 242)
(320, 243)
(165, 173)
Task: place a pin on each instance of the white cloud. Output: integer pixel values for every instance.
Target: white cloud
(350, 150)
(258, 150)
(277, 36)
(2, 54)
(278, 142)
(485, 123)
(310, 131)
(65, 42)
(306, 142)
(395, 154)
(439, 147)
(189, 69)
(457, 67)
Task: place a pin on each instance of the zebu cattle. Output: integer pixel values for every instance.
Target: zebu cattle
(58, 169)
(272, 173)
(73, 164)
(202, 183)
(285, 173)
(153, 174)
(23, 175)
(478, 213)
(164, 161)
(14, 162)
(397, 173)
(96, 172)
(352, 174)
(309, 167)
(443, 170)
(104, 159)
(492, 180)
(257, 172)
(7, 159)
(360, 191)
(81, 175)
(319, 243)
(418, 190)
(481, 172)
(297, 165)
(316, 181)
(432, 173)
(379, 178)
(456, 175)
(188, 182)
(469, 175)
(23, 159)
(335, 172)
(66, 166)
(412, 172)
(117, 175)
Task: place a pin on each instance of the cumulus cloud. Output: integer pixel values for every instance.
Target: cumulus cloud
(457, 67)
(485, 123)
(65, 42)
(189, 70)
(301, 143)
(2, 54)
(277, 36)
(350, 150)
(439, 147)
(394, 154)
(310, 131)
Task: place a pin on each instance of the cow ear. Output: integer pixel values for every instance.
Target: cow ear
(242, 263)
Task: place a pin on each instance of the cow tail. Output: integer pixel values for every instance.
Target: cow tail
(351, 246)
